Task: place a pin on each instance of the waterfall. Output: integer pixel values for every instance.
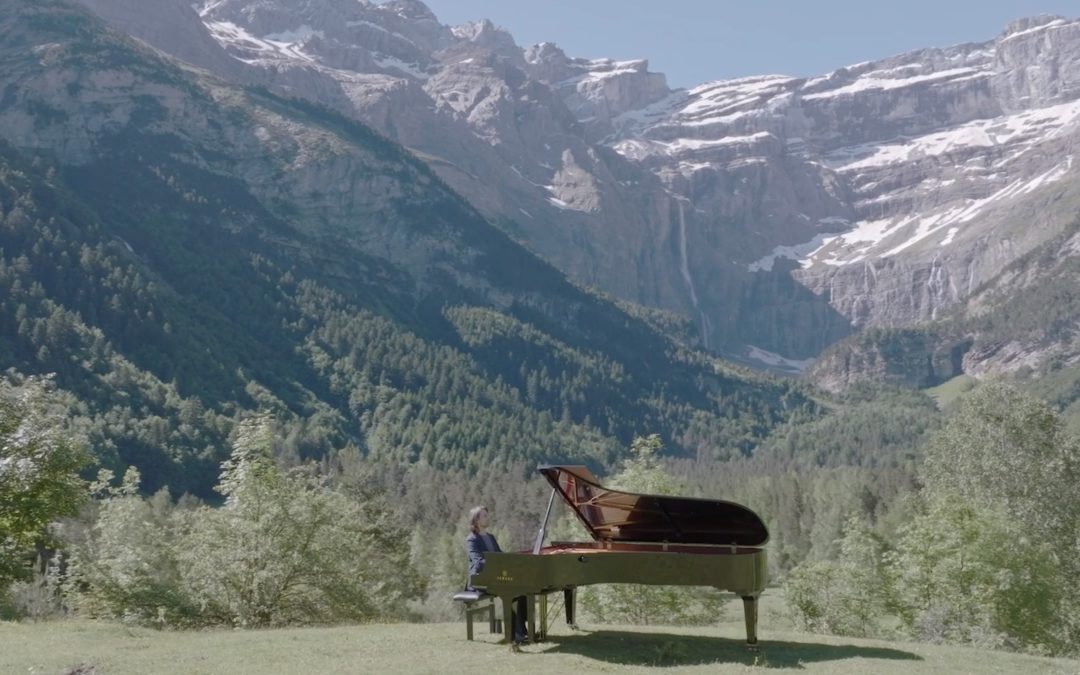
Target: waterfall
(684, 267)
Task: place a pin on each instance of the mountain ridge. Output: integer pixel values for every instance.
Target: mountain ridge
(780, 214)
(182, 252)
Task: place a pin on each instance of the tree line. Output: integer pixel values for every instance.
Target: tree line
(973, 542)
(987, 550)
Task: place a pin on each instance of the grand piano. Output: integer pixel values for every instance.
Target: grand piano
(637, 539)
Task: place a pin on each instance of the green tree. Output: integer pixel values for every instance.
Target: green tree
(39, 480)
(643, 472)
(128, 565)
(646, 604)
(846, 596)
(990, 550)
(970, 575)
(1006, 454)
(286, 548)
(1003, 448)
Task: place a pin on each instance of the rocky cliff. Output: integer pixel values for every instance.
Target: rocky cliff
(780, 213)
(183, 252)
(895, 187)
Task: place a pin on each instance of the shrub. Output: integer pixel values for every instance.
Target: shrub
(39, 480)
(847, 596)
(284, 549)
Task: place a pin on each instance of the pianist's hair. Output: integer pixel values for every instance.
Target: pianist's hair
(474, 514)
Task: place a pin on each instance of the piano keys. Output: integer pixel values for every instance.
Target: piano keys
(637, 539)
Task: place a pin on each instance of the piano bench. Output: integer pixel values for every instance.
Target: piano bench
(477, 602)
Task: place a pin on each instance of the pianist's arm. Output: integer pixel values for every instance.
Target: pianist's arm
(474, 547)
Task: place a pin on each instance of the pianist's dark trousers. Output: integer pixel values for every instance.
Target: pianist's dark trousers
(521, 617)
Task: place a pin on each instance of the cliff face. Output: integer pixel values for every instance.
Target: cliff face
(897, 187)
(183, 252)
(780, 213)
(333, 184)
(463, 99)
(169, 25)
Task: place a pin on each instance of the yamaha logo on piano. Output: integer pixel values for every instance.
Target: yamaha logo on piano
(504, 576)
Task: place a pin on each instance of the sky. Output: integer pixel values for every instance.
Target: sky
(694, 41)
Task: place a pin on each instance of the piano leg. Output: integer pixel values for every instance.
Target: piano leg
(532, 616)
(569, 594)
(750, 613)
(542, 635)
(508, 618)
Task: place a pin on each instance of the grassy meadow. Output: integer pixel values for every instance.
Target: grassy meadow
(947, 393)
(115, 649)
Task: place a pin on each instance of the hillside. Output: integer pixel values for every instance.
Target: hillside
(428, 648)
(1022, 323)
(780, 214)
(180, 250)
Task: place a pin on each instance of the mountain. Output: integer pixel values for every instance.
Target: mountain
(781, 214)
(1022, 323)
(463, 100)
(494, 122)
(182, 251)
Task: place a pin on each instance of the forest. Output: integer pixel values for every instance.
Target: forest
(966, 534)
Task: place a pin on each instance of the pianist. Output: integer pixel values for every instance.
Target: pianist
(477, 542)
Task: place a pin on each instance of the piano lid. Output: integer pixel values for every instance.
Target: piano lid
(626, 516)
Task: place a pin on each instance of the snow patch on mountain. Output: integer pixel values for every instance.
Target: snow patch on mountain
(601, 69)
(777, 362)
(1024, 127)
(639, 149)
(1056, 23)
(294, 36)
(877, 81)
(798, 252)
(229, 33)
(411, 69)
(870, 237)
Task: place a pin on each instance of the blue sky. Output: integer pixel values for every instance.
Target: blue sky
(694, 41)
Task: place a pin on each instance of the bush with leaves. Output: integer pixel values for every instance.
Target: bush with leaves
(39, 480)
(847, 596)
(286, 548)
(964, 574)
(1006, 454)
(992, 550)
(1005, 449)
(127, 564)
(647, 604)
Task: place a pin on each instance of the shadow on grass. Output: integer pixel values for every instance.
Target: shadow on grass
(665, 649)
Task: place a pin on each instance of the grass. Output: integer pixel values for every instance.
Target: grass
(115, 649)
(948, 392)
